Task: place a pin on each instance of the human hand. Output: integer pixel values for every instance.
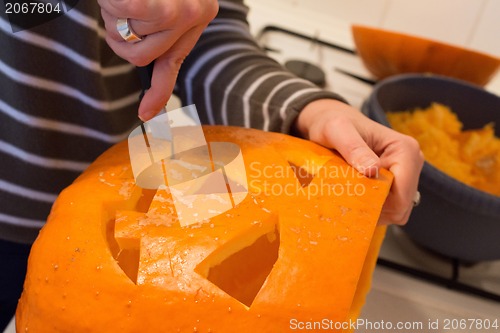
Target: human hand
(367, 146)
(170, 28)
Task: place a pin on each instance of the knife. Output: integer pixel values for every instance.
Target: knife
(145, 76)
(146, 150)
(204, 179)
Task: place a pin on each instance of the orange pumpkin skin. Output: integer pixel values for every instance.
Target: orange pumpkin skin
(385, 53)
(112, 258)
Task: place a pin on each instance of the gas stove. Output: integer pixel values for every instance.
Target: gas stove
(342, 70)
(476, 278)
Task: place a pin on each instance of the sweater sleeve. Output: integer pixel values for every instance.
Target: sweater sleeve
(232, 81)
(64, 100)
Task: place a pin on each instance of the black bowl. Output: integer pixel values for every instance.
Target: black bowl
(453, 219)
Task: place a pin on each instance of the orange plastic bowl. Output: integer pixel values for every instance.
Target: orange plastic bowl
(386, 53)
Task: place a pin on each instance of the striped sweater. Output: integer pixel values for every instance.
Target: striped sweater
(65, 97)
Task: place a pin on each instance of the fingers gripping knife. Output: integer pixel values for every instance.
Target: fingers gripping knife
(170, 152)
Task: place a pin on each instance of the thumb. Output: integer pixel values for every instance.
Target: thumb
(353, 148)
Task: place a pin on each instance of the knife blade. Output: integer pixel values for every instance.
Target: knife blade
(170, 152)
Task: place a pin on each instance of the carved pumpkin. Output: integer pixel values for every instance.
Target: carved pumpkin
(300, 247)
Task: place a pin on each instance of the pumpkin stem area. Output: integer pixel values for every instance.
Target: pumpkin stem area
(242, 274)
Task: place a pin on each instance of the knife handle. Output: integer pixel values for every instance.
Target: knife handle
(145, 75)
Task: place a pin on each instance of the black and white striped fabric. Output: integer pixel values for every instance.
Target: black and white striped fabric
(65, 98)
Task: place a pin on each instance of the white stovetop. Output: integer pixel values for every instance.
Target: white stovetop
(395, 297)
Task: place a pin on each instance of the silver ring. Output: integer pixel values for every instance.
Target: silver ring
(416, 199)
(125, 30)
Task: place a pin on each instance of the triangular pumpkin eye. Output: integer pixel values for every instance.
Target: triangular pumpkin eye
(243, 273)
